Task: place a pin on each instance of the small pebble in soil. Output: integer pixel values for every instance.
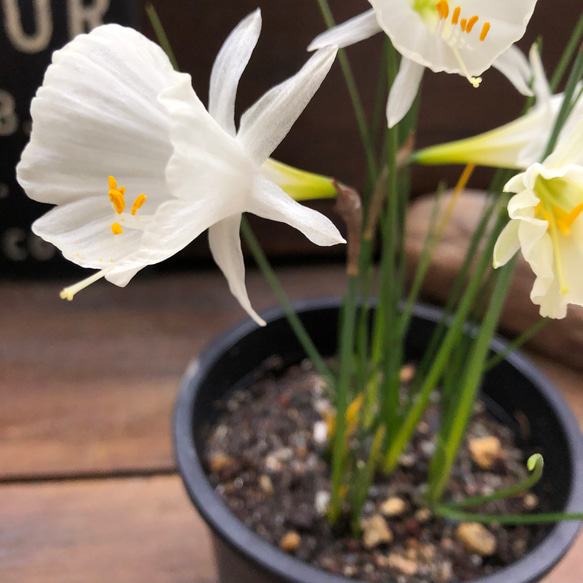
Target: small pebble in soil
(476, 538)
(290, 541)
(485, 451)
(375, 531)
(271, 468)
(393, 506)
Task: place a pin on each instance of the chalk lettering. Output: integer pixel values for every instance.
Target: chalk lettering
(43, 20)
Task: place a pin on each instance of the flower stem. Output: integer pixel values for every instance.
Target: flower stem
(161, 34)
(282, 298)
(516, 343)
(363, 128)
(535, 465)
(347, 326)
(568, 102)
(568, 52)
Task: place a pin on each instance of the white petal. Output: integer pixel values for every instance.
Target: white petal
(266, 123)
(352, 31)
(175, 224)
(225, 245)
(228, 67)
(403, 91)
(270, 202)
(206, 160)
(540, 84)
(569, 151)
(82, 231)
(514, 66)
(97, 115)
(507, 244)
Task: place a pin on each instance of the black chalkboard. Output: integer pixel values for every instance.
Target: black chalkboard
(31, 31)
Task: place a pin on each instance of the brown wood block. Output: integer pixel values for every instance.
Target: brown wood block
(138, 530)
(88, 386)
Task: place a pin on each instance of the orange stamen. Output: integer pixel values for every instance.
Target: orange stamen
(471, 23)
(485, 30)
(140, 200)
(116, 229)
(463, 23)
(443, 9)
(456, 15)
(116, 197)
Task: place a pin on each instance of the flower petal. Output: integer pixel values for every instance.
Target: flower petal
(206, 162)
(569, 150)
(228, 68)
(82, 231)
(352, 31)
(271, 202)
(403, 90)
(175, 224)
(267, 122)
(507, 244)
(514, 66)
(225, 245)
(96, 115)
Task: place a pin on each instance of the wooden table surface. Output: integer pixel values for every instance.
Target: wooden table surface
(88, 487)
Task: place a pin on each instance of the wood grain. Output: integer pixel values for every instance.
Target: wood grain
(133, 530)
(88, 386)
(102, 531)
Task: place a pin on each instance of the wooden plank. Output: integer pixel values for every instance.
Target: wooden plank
(88, 386)
(122, 530)
(102, 531)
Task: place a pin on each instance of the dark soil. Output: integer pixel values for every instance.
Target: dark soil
(266, 456)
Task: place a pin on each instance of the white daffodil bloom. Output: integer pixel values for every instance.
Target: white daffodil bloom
(466, 37)
(546, 224)
(517, 144)
(111, 105)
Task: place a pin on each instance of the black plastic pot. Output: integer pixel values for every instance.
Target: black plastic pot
(515, 385)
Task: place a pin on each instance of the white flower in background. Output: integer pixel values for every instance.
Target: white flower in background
(111, 105)
(517, 144)
(546, 224)
(466, 37)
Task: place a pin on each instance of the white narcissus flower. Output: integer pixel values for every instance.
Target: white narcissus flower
(111, 105)
(464, 37)
(547, 225)
(517, 144)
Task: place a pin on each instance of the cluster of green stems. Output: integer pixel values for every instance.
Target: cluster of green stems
(375, 420)
(366, 384)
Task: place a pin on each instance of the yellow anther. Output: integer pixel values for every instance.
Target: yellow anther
(116, 229)
(456, 15)
(471, 23)
(140, 200)
(443, 9)
(112, 183)
(463, 24)
(574, 214)
(117, 199)
(485, 30)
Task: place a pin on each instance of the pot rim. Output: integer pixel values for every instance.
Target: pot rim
(530, 568)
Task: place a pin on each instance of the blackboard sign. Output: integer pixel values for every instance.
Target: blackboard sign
(31, 31)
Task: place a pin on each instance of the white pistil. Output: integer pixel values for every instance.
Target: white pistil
(475, 81)
(69, 292)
